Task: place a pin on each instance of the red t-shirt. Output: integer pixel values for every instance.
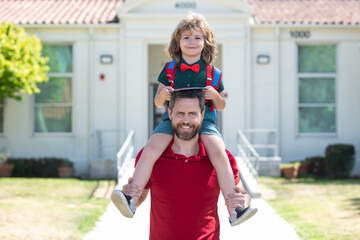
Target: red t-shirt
(184, 195)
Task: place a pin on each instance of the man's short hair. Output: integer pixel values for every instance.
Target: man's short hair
(195, 93)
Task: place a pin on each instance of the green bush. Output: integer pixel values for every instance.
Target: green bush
(339, 160)
(317, 166)
(37, 167)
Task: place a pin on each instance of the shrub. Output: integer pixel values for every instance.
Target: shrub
(339, 160)
(37, 167)
(317, 166)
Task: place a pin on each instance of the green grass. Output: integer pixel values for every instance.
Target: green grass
(38, 208)
(317, 209)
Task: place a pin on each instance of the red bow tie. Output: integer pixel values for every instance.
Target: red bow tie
(195, 68)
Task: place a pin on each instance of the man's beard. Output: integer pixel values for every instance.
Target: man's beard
(186, 135)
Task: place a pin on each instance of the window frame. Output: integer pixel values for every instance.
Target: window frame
(2, 133)
(316, 75)
(54, 75)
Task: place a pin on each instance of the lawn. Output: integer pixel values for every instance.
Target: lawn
(38, 208)
(317, 209)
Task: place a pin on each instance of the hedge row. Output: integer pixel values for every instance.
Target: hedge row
(338, 161)
(37, 167)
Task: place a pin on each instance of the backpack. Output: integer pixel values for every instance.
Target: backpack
(213, 78)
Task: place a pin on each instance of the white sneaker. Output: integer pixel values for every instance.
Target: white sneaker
(124, 203)
(241, 215)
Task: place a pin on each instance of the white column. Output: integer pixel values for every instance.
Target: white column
(136, 90)
(234, 76)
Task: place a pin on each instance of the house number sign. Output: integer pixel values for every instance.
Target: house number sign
(300, 34)
(185, 5)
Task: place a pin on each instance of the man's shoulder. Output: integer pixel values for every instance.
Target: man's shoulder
(202, 147)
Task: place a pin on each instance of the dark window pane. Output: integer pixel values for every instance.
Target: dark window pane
(317, 120)
(56, 90)
(316, 90)
(60, 58)
(317, 59)
(52, 119)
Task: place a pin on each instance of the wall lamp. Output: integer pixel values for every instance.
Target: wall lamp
(263, 59)
(106, 59)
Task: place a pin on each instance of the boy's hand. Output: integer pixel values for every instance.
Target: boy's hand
(210, 93)
(165, 94)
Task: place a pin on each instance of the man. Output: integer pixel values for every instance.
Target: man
(184, 187)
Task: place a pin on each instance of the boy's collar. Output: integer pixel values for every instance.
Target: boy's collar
(200, 62)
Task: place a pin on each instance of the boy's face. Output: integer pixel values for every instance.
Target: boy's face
(191, 44)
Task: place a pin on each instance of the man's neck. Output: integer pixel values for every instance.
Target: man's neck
(186, 147)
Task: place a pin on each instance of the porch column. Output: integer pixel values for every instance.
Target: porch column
(136, 90)
(234, 75)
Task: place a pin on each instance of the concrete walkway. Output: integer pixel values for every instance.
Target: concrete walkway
(266, 224)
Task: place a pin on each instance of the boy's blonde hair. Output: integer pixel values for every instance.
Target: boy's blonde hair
(196, 22)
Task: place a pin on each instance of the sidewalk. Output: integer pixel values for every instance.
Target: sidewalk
(266, 224)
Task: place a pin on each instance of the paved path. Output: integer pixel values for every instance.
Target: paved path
(266, 224)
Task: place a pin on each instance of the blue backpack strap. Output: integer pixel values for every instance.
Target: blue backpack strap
(170, 72)
(216, 79)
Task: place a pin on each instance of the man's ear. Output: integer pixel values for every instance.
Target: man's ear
(202, 114)
(169, 112)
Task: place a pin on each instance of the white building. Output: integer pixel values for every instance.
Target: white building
(292, 66)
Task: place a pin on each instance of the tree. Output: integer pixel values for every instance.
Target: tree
(22, 66)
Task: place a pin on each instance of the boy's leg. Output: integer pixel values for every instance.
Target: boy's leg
(157, 144)
(215, 148)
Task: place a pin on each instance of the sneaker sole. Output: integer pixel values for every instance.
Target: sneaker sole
(120, 202)
(246, 215)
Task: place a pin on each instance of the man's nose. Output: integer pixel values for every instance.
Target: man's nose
(186, 119)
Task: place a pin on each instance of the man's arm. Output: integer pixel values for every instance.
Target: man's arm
(239, 199)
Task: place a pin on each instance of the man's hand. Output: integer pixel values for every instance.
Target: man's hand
(238, 199)
(131, 189)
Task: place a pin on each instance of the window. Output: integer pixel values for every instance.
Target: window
(317, 89)
(53, 105)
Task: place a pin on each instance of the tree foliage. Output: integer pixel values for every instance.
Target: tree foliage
(22, 66)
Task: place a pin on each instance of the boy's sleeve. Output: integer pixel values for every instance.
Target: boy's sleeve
(221, 87)
(162, 77)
